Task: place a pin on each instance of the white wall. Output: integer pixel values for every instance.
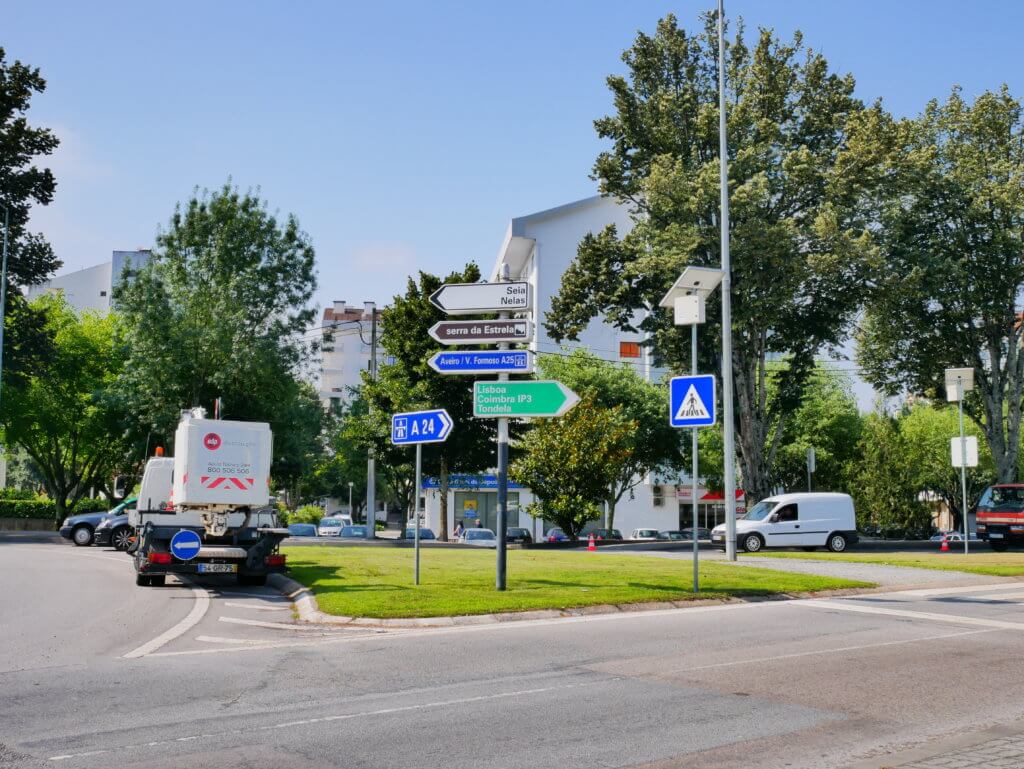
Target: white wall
(87, 289)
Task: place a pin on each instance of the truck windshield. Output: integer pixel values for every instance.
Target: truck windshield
(759, 511)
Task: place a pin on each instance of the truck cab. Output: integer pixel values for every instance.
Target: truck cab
(1000, 515)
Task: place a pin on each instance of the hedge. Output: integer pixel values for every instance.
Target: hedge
(44, 508)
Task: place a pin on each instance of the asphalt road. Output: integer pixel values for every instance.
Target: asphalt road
(98, 673)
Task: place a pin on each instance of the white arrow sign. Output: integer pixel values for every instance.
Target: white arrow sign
(475, 298)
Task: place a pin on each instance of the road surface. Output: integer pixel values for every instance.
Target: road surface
(99, 673)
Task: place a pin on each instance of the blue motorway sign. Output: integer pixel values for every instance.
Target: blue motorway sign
(482, 362)
(185, 545)
(415, 427)
(691, 401)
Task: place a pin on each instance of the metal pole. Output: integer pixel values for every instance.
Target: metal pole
(808, 477)
(416, 508)
(693, 491)
(501, 555)
(963, 457)
(371, 462)
(3, 290)
(350, 500)
(728, 437)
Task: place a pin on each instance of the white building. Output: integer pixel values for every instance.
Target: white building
(346, 350)
(539, 248)
(92, 288)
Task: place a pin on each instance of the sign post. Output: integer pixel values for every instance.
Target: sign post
(958, 382)
(417, 428)
(811, 466)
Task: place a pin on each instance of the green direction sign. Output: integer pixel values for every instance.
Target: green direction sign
(545, 398)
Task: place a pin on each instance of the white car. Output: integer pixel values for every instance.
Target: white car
(330, 527)
(644, 535)
(795, 520)
(479, 538)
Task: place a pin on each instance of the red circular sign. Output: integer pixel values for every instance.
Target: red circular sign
(211, 441)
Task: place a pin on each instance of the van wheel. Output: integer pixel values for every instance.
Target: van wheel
(837, 543)
(999, 547)
(752, 543)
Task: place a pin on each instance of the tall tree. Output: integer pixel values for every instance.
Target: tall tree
(410, 383)
(951, 271)
(64, 414)
(221, 310)
(799, 235)
(570, 462)
(23, 184)
(653, 445)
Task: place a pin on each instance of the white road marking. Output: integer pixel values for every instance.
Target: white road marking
(276, 625)
(927, 616)
(958, 590)
(1008, 597)
(199, 608)
(255, 607)
(836, 650)
(345, 716)
(214, 639)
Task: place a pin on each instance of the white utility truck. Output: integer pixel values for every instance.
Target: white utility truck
(205, 511)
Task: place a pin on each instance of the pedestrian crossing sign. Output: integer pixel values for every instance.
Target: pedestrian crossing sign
(692, 401)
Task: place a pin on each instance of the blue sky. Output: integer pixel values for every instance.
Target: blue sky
(403, 135)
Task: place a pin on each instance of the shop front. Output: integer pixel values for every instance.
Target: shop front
(710, 507)
(473, 501)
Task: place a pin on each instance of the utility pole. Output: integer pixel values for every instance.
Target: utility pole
(3, 290)
(963, 459)
(501, 554)
(728, 431)
(371, 461)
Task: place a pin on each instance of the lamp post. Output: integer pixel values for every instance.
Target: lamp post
(371, 460)
(350, 512)
(686, 298)
(958, 382)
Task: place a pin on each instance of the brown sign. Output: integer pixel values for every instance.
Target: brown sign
(482, 331)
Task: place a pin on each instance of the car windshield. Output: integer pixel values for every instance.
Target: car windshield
(647, 533)
(760, 511)
(479, 534)
(330, 523)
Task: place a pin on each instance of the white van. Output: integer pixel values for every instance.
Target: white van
(795, 520)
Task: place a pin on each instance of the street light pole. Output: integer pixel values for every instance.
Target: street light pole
(3, 290)
(963, 456)
(350, 513)
(371, 461)
(728, 437)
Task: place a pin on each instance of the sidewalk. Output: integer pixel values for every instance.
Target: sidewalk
(1001, 747)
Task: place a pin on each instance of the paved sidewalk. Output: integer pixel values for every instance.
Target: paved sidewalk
(998, 748)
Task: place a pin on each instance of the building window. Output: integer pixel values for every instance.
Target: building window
(103, 293)
(629, 349)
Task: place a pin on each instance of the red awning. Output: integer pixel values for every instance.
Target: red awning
(719, 496)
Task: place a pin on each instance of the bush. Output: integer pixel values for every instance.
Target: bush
(13, 493)
(97, 505)
(307, 514)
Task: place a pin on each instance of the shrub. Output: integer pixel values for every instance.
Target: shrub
(307, 514)
(45, 508)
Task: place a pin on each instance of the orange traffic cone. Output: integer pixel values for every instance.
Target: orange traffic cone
(591, 545)
(945, 545)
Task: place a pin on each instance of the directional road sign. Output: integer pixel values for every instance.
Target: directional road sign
(545, 398)
(474, 298)
(483, 362)
(421, 427)
(692, 401)
(481, 331)
(185, 545)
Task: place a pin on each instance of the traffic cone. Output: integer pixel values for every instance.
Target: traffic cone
(945, 545)
(591, 545)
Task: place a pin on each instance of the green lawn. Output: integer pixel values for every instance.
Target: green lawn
(378, 581)
(983, 562)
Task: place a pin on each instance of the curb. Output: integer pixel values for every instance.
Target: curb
(309, 611)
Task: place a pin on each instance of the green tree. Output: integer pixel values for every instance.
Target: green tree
(569, 463)
(883, 483)
(926, 432)
(653, 446)
(409, 383)
(951, 269)
(221, 310)
(799, 234)
(23, 183)
(64, 415)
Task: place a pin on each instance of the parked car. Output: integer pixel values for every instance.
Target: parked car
(479, 538)
(115, 530)
(518, 536)
(702, 533)
(795, 520)
(302, 529)
(672, 536)
(345, 518)
(612, 535)
(644, 535)
(353, 531)
(80, 528)
(955, 536)
(556, 535)
(330, 527)
(410, 533)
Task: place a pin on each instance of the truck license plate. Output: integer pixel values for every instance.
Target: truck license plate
(218, 568)
(993, 535)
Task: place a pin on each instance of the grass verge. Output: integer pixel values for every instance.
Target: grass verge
(378, 581)
(993, 564)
